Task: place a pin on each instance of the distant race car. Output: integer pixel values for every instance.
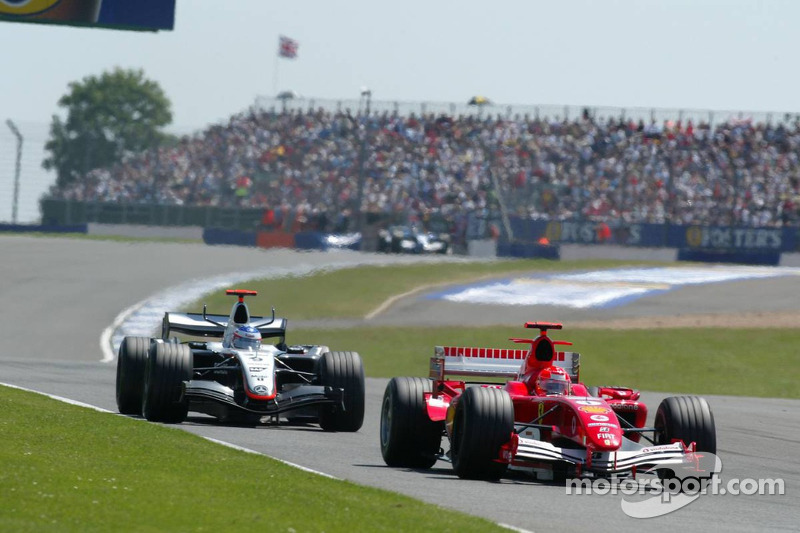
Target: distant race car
(239, 379)
(410, 240)
(543, 421)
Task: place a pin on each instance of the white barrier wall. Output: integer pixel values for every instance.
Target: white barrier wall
(790, 260)
(612, 251)
(482, 248)
(487, 248)
(150, 232)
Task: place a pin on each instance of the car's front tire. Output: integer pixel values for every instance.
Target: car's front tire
(484, 421)
(343, 370)
(168, 366)
(688, 418)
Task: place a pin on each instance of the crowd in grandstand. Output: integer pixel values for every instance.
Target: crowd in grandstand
(613, 170)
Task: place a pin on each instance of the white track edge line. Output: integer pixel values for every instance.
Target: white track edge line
(59, 398)
(248, 450)
(215, 441)
(105, 337)
(514, 528)
(392, 299)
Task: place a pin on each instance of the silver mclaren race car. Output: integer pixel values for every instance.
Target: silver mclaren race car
(240, 378)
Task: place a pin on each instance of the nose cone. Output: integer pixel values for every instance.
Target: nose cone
(600, 424)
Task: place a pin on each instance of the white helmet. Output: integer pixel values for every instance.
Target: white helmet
(247, 338)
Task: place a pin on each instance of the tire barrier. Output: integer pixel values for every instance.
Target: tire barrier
(724, 256)
(527, 250)
(229, 236)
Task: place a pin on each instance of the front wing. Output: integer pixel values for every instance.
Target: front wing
(296, 398)
(531, 451)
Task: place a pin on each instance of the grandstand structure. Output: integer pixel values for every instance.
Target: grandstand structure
(517, 111)
(516, 172)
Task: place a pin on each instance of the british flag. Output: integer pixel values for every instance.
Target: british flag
(287, 47)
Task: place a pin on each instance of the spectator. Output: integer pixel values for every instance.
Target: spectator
(305, 166)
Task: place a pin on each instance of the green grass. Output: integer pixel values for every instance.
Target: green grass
(756, 362)
(760, 362)
(355, 292)
(67, 468)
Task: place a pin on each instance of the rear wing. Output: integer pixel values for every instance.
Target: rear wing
(492, 362)
(214, 325)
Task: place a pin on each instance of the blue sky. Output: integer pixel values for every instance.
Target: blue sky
(221, 55)
(690, 54)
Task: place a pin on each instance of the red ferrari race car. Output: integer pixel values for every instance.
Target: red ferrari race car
(543, 421)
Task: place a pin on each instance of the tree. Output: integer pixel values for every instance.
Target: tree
(108, 115)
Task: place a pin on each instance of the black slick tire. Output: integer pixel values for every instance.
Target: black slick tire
(688, 418)
(343, 370)
(168, 366)
(131, 362)
(409, 438)
(484, 420)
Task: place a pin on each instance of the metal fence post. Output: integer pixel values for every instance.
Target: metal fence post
(17, 170)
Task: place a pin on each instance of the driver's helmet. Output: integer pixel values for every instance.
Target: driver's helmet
(553, 381)
(246, 338)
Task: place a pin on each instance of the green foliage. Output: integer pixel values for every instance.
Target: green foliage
(693, 361)
(118, 111)
(67, 468)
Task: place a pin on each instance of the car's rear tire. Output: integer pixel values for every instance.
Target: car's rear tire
(484, 421)
(409, 438)
(688, 418)
(168, 366)
(343, 370)
(131, 362)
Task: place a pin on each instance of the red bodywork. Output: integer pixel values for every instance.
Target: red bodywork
(588, 421)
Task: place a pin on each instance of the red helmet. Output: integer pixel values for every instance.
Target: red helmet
(553, 381)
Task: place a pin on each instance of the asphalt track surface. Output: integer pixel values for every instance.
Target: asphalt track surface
(63, 293)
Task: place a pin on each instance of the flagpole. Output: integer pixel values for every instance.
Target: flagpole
(275, 76)
(275, 71)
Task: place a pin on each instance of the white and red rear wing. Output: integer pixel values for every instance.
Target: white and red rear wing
(492, 362)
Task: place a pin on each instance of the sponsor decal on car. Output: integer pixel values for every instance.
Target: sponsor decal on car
(625, 406)
(589, 402)
(665, 447)
(593, 409)
(437, 402)
(599, 418)
(604, 424)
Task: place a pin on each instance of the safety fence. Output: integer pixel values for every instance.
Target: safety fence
(479, 225)
(66, 212)
(488, 108)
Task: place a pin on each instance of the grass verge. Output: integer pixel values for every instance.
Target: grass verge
(354, 292)
(67, 468)
(762, 362)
